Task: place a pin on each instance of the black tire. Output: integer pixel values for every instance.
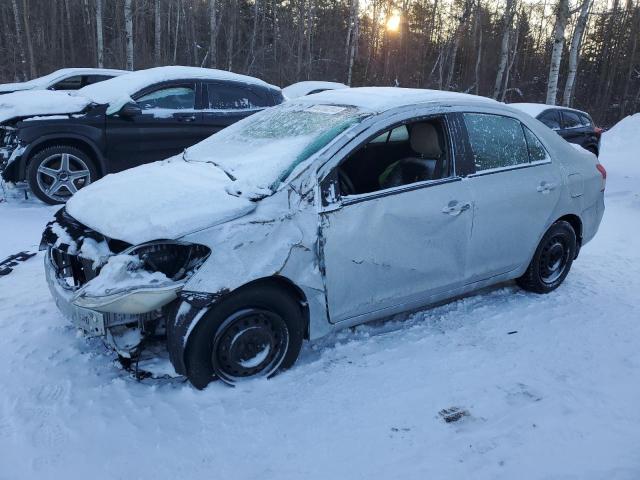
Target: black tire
(50, 158)
(259, 314)
(552, 261)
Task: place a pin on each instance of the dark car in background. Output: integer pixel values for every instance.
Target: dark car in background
(575, 126)
(63, 79)
(127, 121)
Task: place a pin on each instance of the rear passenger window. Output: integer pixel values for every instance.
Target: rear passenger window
(229, 97)
(586, 121)
(537, 152)
(551, 119)
(571, 120)
(496, 141)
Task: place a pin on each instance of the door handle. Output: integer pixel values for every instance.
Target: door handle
(546, 187)
(186, 118)
(455, 208)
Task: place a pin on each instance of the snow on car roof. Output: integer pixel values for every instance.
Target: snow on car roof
(535, 109)
(46, 80)
(301, 89)
(119, 90)
(379, 99)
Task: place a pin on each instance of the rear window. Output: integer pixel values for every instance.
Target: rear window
(551, 119)
(231, 97)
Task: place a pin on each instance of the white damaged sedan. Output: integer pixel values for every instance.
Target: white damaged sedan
(322, 213)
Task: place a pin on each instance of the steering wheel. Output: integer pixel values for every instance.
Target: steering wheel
(346, 185)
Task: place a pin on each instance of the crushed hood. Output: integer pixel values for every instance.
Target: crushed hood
(30, 103)
(160, 200)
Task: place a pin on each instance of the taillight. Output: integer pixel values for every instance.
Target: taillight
(598, 131)
(603, 172)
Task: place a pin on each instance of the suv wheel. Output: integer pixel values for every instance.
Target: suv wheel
(552, 261)
(256, 332)
(55, 173)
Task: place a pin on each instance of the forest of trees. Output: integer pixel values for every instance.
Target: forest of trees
(582, 53)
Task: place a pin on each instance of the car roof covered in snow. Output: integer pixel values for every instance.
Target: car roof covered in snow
(379, 99)
(535, 109)
(47, 80)
(115, 89)
(301, 89)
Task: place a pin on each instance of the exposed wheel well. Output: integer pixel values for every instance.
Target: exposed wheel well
(576, 224)
(292, 289)
(72, 142)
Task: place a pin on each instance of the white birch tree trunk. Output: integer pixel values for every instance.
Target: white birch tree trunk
(562, 16)
(27, 33)
(23, 58)
(354, 40)
(128, 26)
(504, 47)
(213, 33)
(574, 51)
(99, 34)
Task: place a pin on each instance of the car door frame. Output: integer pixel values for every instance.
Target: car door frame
(330, 200)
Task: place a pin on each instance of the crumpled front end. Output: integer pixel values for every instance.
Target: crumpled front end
(11, 151)
(109, 288)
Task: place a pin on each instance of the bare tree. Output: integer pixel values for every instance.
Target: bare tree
(157, 33)
(352, 38)
(574, 51)
(213, 33)
(128, 25)
(507, 21)
(16, 18)
(99, 33)
(562, 16)
(27, 33)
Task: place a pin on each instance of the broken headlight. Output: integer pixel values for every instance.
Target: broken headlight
(177, 260)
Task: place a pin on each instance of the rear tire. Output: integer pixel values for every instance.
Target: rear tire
(55, 173)
(552, 260)
(255, 332)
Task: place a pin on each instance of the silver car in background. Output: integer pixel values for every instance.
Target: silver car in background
(322, 213)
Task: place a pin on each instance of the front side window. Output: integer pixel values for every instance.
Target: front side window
(409, 153)
(168, 98)
(229, 97)
(551, 119)
(496, 141)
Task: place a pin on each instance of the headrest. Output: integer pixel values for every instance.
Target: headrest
(425, 141)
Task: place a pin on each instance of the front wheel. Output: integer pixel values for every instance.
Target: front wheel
(256, 332)
(55, 173)
(552, 261)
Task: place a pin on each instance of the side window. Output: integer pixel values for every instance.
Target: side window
(586, 121)
(230, 97)
(71, 83)
(169, 98)
(537, 152)
(409, 153)
(571, 120)
(496, 141)
(91, 79)
(551, 119)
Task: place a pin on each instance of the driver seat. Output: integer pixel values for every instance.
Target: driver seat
(424, 165)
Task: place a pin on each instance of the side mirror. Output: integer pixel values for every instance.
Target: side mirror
(130, 109)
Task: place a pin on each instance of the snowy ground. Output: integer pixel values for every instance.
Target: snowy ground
(551, 383)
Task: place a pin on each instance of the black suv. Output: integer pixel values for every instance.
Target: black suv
(63, 153)
(574, 126)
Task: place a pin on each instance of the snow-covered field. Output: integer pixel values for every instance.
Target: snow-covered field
(551, 383)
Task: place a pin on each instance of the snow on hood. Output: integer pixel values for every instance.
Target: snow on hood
(39, 102)
(117, 91)
(160, 200)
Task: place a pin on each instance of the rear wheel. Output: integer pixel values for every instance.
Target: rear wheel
(255, 332)
(55, 173)
(552, 260)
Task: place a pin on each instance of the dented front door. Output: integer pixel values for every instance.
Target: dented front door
(396, 247)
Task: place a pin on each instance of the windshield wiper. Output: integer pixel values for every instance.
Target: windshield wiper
(231, 177)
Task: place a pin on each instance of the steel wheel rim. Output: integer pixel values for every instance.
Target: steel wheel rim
(250, 343)
(61, 175)
(554, 259)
